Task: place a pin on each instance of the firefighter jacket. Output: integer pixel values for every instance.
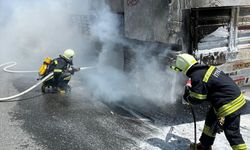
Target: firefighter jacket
(213, 85)
(59, 66)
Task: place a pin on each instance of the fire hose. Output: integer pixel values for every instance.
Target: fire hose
(11, 64)
(194, 118)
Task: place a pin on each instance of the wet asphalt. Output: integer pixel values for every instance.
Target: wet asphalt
(70, 121)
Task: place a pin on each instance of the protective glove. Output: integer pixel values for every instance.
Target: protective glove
(218, 126)
(72, 70)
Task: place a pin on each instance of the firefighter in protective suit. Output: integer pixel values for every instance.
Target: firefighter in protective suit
(62, 69)
(227, 102)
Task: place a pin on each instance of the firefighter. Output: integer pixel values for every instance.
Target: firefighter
(225, 98)
(62, 69)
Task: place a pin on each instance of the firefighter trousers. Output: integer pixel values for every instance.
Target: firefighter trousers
(231, 129)
(60, 81)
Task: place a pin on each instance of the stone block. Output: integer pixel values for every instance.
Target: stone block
(153, 20)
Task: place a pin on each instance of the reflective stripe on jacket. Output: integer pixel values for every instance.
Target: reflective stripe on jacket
(212, 84)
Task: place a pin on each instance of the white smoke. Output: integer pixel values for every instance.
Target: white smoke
(153, 82)
(36, 29)
(32, 30)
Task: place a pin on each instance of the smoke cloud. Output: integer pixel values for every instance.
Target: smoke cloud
(32, 30)
(36, 29)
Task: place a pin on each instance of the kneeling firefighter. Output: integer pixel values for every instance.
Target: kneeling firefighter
(208, 83)
(62, 69)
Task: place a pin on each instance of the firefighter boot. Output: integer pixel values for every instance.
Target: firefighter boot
(199, 146)
(61, 90)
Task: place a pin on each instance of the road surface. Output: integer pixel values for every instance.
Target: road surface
(78, 120)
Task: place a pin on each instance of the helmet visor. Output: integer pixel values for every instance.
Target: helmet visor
(172, 63)
(175, 68)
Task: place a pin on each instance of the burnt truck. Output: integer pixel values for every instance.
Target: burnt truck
(216, 32)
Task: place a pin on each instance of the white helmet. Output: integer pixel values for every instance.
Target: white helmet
(69, 53)
(184, 62)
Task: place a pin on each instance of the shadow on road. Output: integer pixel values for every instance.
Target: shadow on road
(171, 141)
(179, 143)
(166, 115)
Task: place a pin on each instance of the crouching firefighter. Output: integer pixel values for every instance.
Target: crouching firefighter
(226, 102)
(62, 70)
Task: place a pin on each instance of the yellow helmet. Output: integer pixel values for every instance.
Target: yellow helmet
(69, 53)
(184, 62)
